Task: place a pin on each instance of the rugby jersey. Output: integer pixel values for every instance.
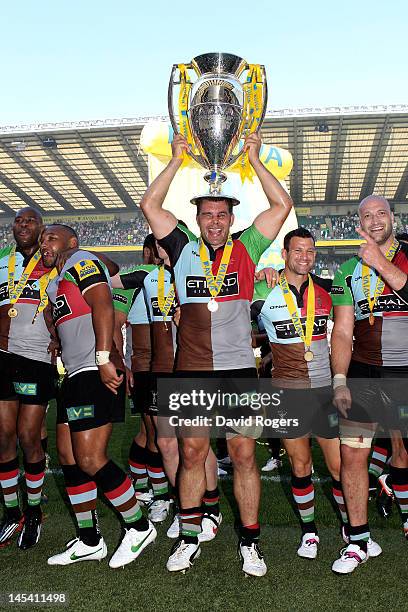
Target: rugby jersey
(221, 340)
(164, 332)
(385, 342)
(289, 366)
(132, 303)
(72, 315)
(20, 335)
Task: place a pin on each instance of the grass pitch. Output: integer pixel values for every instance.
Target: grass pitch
(216, 581)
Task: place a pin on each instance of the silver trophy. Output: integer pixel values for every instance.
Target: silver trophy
(218, 109)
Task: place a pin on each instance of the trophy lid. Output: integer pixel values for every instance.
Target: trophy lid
(215, 195)
(219, 63)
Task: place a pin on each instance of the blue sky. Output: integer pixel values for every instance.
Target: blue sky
(71, 60)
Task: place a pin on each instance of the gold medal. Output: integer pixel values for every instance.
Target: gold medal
(308, 356)
(12, 312)
(371, 319)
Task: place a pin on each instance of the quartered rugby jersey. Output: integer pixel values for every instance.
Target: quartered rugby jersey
(72, 315)
(288, 363)
(20, 335)
(385, 342)
(218, 340)
(164, 332)
(132, 303)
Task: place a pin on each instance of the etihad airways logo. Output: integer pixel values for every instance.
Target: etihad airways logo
(196, 286)
(285, 330)
(385, 303)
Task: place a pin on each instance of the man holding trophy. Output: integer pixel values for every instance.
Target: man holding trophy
(214, 337)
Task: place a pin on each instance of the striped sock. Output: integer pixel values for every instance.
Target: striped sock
(118, 489)
(211, 502)
(360, 535)
(248, 534)
(337, 491)
(379, 456)
(34, 477)
(137, 464)
(82, 493)
(303, 494)
(9, 473)
(190, 524)
(399, 477)
(158, 478)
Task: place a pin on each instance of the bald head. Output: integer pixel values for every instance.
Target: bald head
(27, 227)
(375, 199)
(376, 218)
(29, 211)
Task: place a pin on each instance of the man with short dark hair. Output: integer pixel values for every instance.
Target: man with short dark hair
(27, 374)
(214, 278)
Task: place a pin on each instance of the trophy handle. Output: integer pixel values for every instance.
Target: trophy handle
(233, 158)
(198, 158)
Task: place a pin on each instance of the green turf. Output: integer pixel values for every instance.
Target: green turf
(216, 582)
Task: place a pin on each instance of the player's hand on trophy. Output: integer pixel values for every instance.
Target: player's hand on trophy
(342, 400)
(252, 145)
(109, 376)
(369, 252)
(270, 275)
(178, 146)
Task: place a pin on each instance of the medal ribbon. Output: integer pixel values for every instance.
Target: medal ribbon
(165, 302)
(379, 287)
(184, 93)
(44, 282)
(310, 312)
(214, 284)
(15, 291)
(253, 92)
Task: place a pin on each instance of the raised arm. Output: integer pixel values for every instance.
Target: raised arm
(372, 255)
(268, 222)
(160, 220)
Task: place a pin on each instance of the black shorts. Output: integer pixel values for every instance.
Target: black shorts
(379, 395)
(7, 372)
(141, 392)
(305, 411)
(35, 382)
(85, 403)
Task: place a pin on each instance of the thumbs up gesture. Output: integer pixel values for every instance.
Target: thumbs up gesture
(369, 252)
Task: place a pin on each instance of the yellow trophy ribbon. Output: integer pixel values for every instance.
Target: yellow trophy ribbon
(15, 291)
(379, 286)
(253, 90)
(185, 86)
(44, 282)
(165, 302)
(310, 314)
(214, 284)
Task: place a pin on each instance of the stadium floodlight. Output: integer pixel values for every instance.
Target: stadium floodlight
(49, 143)
(18, 145)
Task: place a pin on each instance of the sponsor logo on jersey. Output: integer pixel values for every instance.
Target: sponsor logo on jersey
(285, 329)
(31, 291)
(86, 268)
(61, 308)
(337, 290)
(385, 303)
(156, 310)
(119, 298)
(25, 388)
(80, 412)
(196, 286)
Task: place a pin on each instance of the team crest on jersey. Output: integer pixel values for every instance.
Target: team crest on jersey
(86, 268)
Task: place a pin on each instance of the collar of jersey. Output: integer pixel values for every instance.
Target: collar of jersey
(211, 251)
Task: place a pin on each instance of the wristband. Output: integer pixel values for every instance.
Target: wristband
(339, 380)
(102, 357)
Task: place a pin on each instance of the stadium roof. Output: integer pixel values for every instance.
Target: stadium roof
(340, 156)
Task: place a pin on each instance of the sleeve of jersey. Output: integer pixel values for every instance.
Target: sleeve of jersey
(403, 292)
(340, 292)
(134, 278)
(175, 242)
(123, 299)
(87, 273)
(254, 242)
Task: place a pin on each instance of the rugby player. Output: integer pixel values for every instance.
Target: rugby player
(27, 375)
(306, 383)
(370, 296)
(214, 336)
(84, 317)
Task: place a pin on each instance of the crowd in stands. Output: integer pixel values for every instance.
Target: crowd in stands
(342, 227)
